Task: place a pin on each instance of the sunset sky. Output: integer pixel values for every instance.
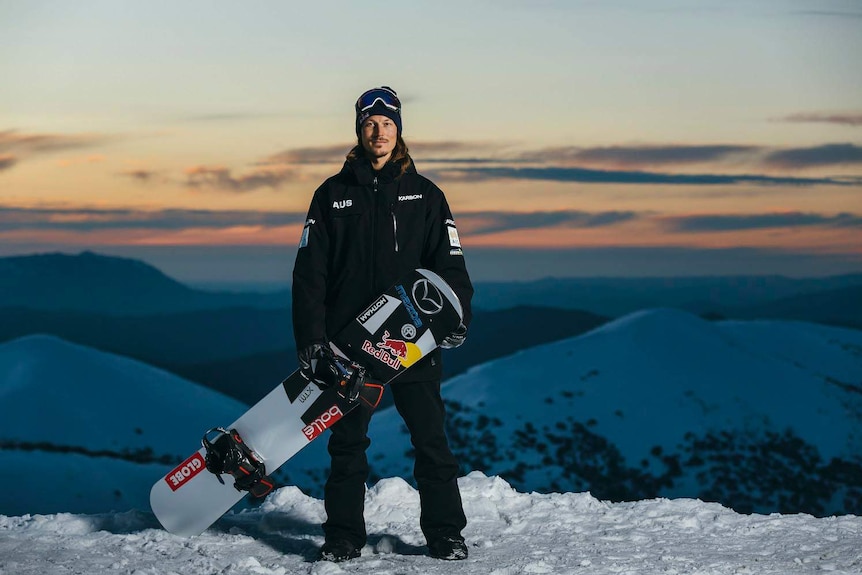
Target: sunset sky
(572, 138)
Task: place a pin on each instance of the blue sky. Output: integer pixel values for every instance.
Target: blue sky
(571, 138)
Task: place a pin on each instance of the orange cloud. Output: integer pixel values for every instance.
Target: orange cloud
(91, 159)
(649, 233)
(12, 140)
(317, 155)
(233, 236)
(221, 178)
(239, 235)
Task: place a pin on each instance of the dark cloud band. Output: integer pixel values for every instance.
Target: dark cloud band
(733, 223)
(817, 156)
(582, 175)
(86, 220)
(492, 222)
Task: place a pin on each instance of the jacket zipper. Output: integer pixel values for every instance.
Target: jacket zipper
(374, 237)
(394, 225)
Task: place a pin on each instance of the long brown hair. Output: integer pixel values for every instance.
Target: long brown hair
(400, 154)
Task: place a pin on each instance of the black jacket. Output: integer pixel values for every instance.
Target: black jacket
(364, 230)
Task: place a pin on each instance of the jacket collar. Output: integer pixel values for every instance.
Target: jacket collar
(364, 174)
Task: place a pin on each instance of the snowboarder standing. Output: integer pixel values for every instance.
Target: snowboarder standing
(368, 225)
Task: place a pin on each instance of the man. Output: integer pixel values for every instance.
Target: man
(368, 225)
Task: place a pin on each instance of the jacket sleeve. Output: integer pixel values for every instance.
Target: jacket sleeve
(444, 254)
(309, 277)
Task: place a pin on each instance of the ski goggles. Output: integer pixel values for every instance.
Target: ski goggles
(384, 95)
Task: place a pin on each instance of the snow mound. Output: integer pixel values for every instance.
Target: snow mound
(508, 532)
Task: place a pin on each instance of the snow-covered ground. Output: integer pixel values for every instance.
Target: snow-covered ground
(508, 533)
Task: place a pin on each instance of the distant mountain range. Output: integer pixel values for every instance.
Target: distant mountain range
(108, 285)
(242, 343)
(836, 299)
(243, 348)
(164, 339)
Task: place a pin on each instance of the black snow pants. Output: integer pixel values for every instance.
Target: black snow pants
(435, 468)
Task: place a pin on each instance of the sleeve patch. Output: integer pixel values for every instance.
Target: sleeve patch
(454, 240)
(303, 241)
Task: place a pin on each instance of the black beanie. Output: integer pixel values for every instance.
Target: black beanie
(379, 108)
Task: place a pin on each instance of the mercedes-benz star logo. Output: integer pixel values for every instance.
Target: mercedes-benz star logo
(427, 297)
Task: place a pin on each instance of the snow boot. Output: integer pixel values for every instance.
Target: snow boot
(448, 548)
(339, 551)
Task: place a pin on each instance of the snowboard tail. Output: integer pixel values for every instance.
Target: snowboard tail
(399, 328)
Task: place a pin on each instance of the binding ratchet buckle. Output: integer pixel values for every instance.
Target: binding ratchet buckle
(350, 380)
(227, 453)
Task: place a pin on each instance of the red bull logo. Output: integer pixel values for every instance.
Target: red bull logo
(396, 347)
(395, 353)
(381, 355)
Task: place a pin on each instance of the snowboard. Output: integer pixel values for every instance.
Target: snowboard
(400, 327)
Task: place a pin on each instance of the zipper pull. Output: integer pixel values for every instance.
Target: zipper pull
(394, 225)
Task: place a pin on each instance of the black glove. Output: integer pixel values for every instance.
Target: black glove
(317, 365)
(455, 338)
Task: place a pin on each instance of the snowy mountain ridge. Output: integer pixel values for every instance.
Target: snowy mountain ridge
(762, 415)
(89, 398)
(87, 431)
(654, 404)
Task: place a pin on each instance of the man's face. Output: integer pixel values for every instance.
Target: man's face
(379, 135)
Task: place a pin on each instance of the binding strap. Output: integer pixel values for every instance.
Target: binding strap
(228, 454)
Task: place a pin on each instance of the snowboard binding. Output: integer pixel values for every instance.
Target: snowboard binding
(350, 381)
(228, 454)
(328, 370)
